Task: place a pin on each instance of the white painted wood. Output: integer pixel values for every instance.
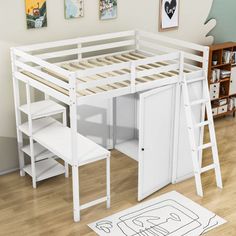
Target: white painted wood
(59, 95)
(43, 108)
(107, 36)
(129, 148)
(40, 152)
(196, 149)
(93, 203)
(55, 137)
(42, 75)
(171, 41)
(30, 134)
(17, 113)
(106, 46)
(41, 62)
(45, 169)
(155, 148)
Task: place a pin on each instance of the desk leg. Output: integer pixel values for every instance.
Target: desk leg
(76, 198)
(108, 182)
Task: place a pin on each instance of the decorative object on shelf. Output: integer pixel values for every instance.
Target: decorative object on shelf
(36, 13)
(74, 9)
(169, 14)
(222, 78)
(107, 9)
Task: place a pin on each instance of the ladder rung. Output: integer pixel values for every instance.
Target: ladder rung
(199, 102)
(204, 123)
(205, 146)
(207, 168)
(195, 80)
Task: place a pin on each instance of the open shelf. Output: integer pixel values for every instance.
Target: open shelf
(46, 169)
(129, 148)
(43, 108)
(224, 55)
(56, 138)
(225, 113)
(40, 152)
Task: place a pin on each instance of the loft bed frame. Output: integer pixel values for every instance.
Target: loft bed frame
(141, 61)
(79, 70)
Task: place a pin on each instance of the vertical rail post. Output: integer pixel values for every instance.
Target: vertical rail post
(177, 117)
(73, 128)
(132, 76)
(64, 120)
(17, 113)
(30, 122)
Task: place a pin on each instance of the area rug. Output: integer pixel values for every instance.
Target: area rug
(171, 214)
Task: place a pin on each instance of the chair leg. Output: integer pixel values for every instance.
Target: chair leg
(108, 182)
(75, 186)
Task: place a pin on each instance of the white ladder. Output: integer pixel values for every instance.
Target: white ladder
(197, 150)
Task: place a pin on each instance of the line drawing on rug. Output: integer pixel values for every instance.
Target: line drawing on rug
(160, 219)
(173, 215)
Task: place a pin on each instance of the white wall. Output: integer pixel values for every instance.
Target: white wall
(143, 14)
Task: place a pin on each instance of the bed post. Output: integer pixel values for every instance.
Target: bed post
(177, 116)
(73, 128)
(17, 113)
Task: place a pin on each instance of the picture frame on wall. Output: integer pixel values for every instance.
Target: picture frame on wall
(107, 9)
(169, 15)
(36, 13)
(74, 9)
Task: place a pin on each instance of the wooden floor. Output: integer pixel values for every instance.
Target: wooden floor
(48, 209)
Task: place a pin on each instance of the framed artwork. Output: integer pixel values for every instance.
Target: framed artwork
(107, 9)
(169, 14)
(74, 9)
(36, 13)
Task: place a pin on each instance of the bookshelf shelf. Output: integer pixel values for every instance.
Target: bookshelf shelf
(224, 55)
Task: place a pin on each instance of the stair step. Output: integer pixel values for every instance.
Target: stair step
(207, 168)
(45, 169)
(43, 108)
(197, 102)
(40, 152)
(195, 80)
(205, 146)
(204, 123)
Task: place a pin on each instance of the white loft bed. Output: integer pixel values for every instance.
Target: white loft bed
(106, 66)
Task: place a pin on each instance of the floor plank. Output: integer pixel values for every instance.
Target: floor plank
(48, 209)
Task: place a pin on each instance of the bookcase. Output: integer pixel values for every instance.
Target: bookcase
(222, 79)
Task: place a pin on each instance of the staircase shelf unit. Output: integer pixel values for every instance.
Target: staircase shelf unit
(144, 77)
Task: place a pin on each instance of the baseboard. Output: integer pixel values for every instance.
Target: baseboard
(8, 171)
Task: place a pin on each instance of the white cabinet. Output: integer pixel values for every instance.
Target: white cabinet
(232, 89)
(144, 132)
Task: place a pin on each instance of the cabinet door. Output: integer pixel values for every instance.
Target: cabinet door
(232, 89)
(156, 114)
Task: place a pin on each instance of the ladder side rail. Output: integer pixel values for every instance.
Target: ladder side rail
(190, 127)
(215, 152)
(203, 108)
(17, 114)
(73, 128)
